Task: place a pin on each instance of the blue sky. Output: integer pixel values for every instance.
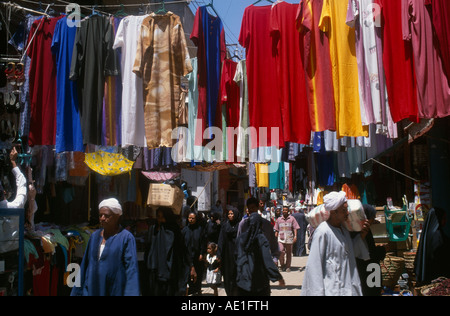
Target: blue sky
(231, 12)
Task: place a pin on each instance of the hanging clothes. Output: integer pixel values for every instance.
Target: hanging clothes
(277, 175)
(69, 135)
(229, 98)
(230, 92)
(262, 175)
(374, 100)
(398, 63)
(132, 120)
(326, 175)
(158, 158)
(344, 69)
(317, 64)
(433, 88)
(25, 114)
(440, 10)
(242, 142)
(208, 35)
(263, 98)
(290, 73)
(112, 100)
(42, 82)
(92, 60)
(162, 58)
(194, 152)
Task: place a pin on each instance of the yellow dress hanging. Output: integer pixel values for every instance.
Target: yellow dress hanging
(108, 164)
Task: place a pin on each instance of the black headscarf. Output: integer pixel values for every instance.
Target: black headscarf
(226, 251)
(433, 254)
(228, 232)
(370, 211)
(254, 229)
(194, 237)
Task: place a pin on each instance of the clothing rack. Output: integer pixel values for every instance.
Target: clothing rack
(91, 6)
(7, 59)
(16, 6)
(139, 4)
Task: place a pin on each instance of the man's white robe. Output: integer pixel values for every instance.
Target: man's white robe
(331, 269)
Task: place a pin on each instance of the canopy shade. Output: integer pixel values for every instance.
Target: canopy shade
(108, 164)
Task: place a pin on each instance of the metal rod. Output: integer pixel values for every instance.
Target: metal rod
(13, 5)
(405, 175)
(90, 6)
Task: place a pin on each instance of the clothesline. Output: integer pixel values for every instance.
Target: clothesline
(86, 6)
(90, 6)
(13, 5)
(139, 4)
(390, 168)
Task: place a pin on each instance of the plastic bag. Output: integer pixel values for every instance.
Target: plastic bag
(356, 216)
(317, 215)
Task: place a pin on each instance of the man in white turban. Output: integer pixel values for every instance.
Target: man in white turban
(110, 255)
(331, 269)
(333, 200)
(112, 204)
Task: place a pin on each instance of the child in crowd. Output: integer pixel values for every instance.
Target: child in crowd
(213, 275)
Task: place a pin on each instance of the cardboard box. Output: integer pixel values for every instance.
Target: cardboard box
(165, 195)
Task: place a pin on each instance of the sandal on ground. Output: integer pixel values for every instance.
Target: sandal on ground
(11, 73)
(20, 77)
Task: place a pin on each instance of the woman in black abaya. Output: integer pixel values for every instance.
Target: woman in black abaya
(255, 266)
(433, 254)
(226, 251)
(167, 261)
(195, 241)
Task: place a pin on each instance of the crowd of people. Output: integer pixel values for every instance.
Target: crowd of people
(244, 253)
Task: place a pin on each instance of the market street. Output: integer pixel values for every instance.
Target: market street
(293, 281)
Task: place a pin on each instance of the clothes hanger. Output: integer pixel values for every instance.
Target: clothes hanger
(49, 12)
(40, 9)
(162, 10)
(235, 55)
(121, 11)
(94, 12)
(141, 10)
(262, 0)
(211, 5)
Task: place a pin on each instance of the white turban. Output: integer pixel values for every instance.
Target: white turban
(112, 204)
(333, 200)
